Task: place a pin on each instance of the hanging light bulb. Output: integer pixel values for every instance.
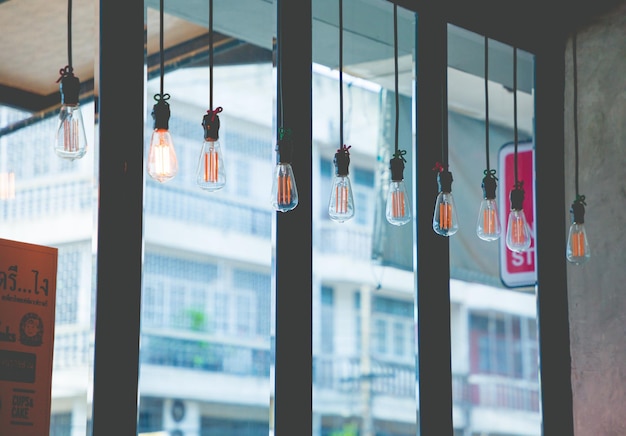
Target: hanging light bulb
(284, 196)
(162, 161)
(518, 235)
(70, 139)
(577, 251)
(577, 245)
(445, 221)
(211, 174)
(398, 209)
(488, 224)
(7, 185)
(341, 203)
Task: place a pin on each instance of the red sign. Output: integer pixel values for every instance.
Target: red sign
(517, 269)
(27, 302)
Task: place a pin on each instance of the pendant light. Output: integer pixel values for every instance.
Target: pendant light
(210, 172)
(398, 209)
(341, 202)
(518, 235)
(445, 220)
(488, 223)
(284, 193)
(70, 139)
(162, 160)
(577, 245)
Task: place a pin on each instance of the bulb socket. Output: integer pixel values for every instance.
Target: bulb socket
(517, 199)
(396, 164)
(284, 146)
(577, 212)
(161, 114)
(70, 89)
(489, 187)
(342, 161)
(444, 181)
(211, 124)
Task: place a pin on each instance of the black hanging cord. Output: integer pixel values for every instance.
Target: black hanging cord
(284, 146)
(162, 66)
(444, 124)
(279, 74)
(396, 163)
(395, 60)
(487, 104)
(211, 54)
(517, 183)
(575, 113)
(577, 210)
(161, 110)
(70, 85)
(489, 183)
(341, 72)
(69, 35)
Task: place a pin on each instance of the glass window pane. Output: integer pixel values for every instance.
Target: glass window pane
(52, 202)
(364, 381)
(493, 313)
(205, 337)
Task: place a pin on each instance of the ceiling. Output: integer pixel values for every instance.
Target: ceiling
(34, 43)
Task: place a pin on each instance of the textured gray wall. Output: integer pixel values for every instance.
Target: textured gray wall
(597, 289)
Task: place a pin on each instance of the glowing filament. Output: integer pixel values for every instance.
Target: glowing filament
(284, 189)
(397, 204)
(517, 231)
(7, 186)
(211, 165)
(489, 221)
(341, 199)
(445, 216)
(71, 132)
(578, 244)
(162, 163)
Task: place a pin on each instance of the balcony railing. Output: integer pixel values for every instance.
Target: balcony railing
(355, 242)
(346, 375)
(484, 390)
(205, 356)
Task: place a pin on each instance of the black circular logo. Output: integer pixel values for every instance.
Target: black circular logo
(31, 330)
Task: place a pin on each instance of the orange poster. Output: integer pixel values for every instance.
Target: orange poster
(27, 300)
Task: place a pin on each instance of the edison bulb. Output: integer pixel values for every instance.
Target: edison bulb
(577, 245)
(518, 236)
(162, 161)
(284, 195)
(341, 203)
(70, 138)
(398, 210)
(211, 174)
(445, 221)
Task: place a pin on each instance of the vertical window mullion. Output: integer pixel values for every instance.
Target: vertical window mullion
(293, 381)
(433, 271)
(120, 102)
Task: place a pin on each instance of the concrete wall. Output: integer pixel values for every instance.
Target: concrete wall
(597, 289)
